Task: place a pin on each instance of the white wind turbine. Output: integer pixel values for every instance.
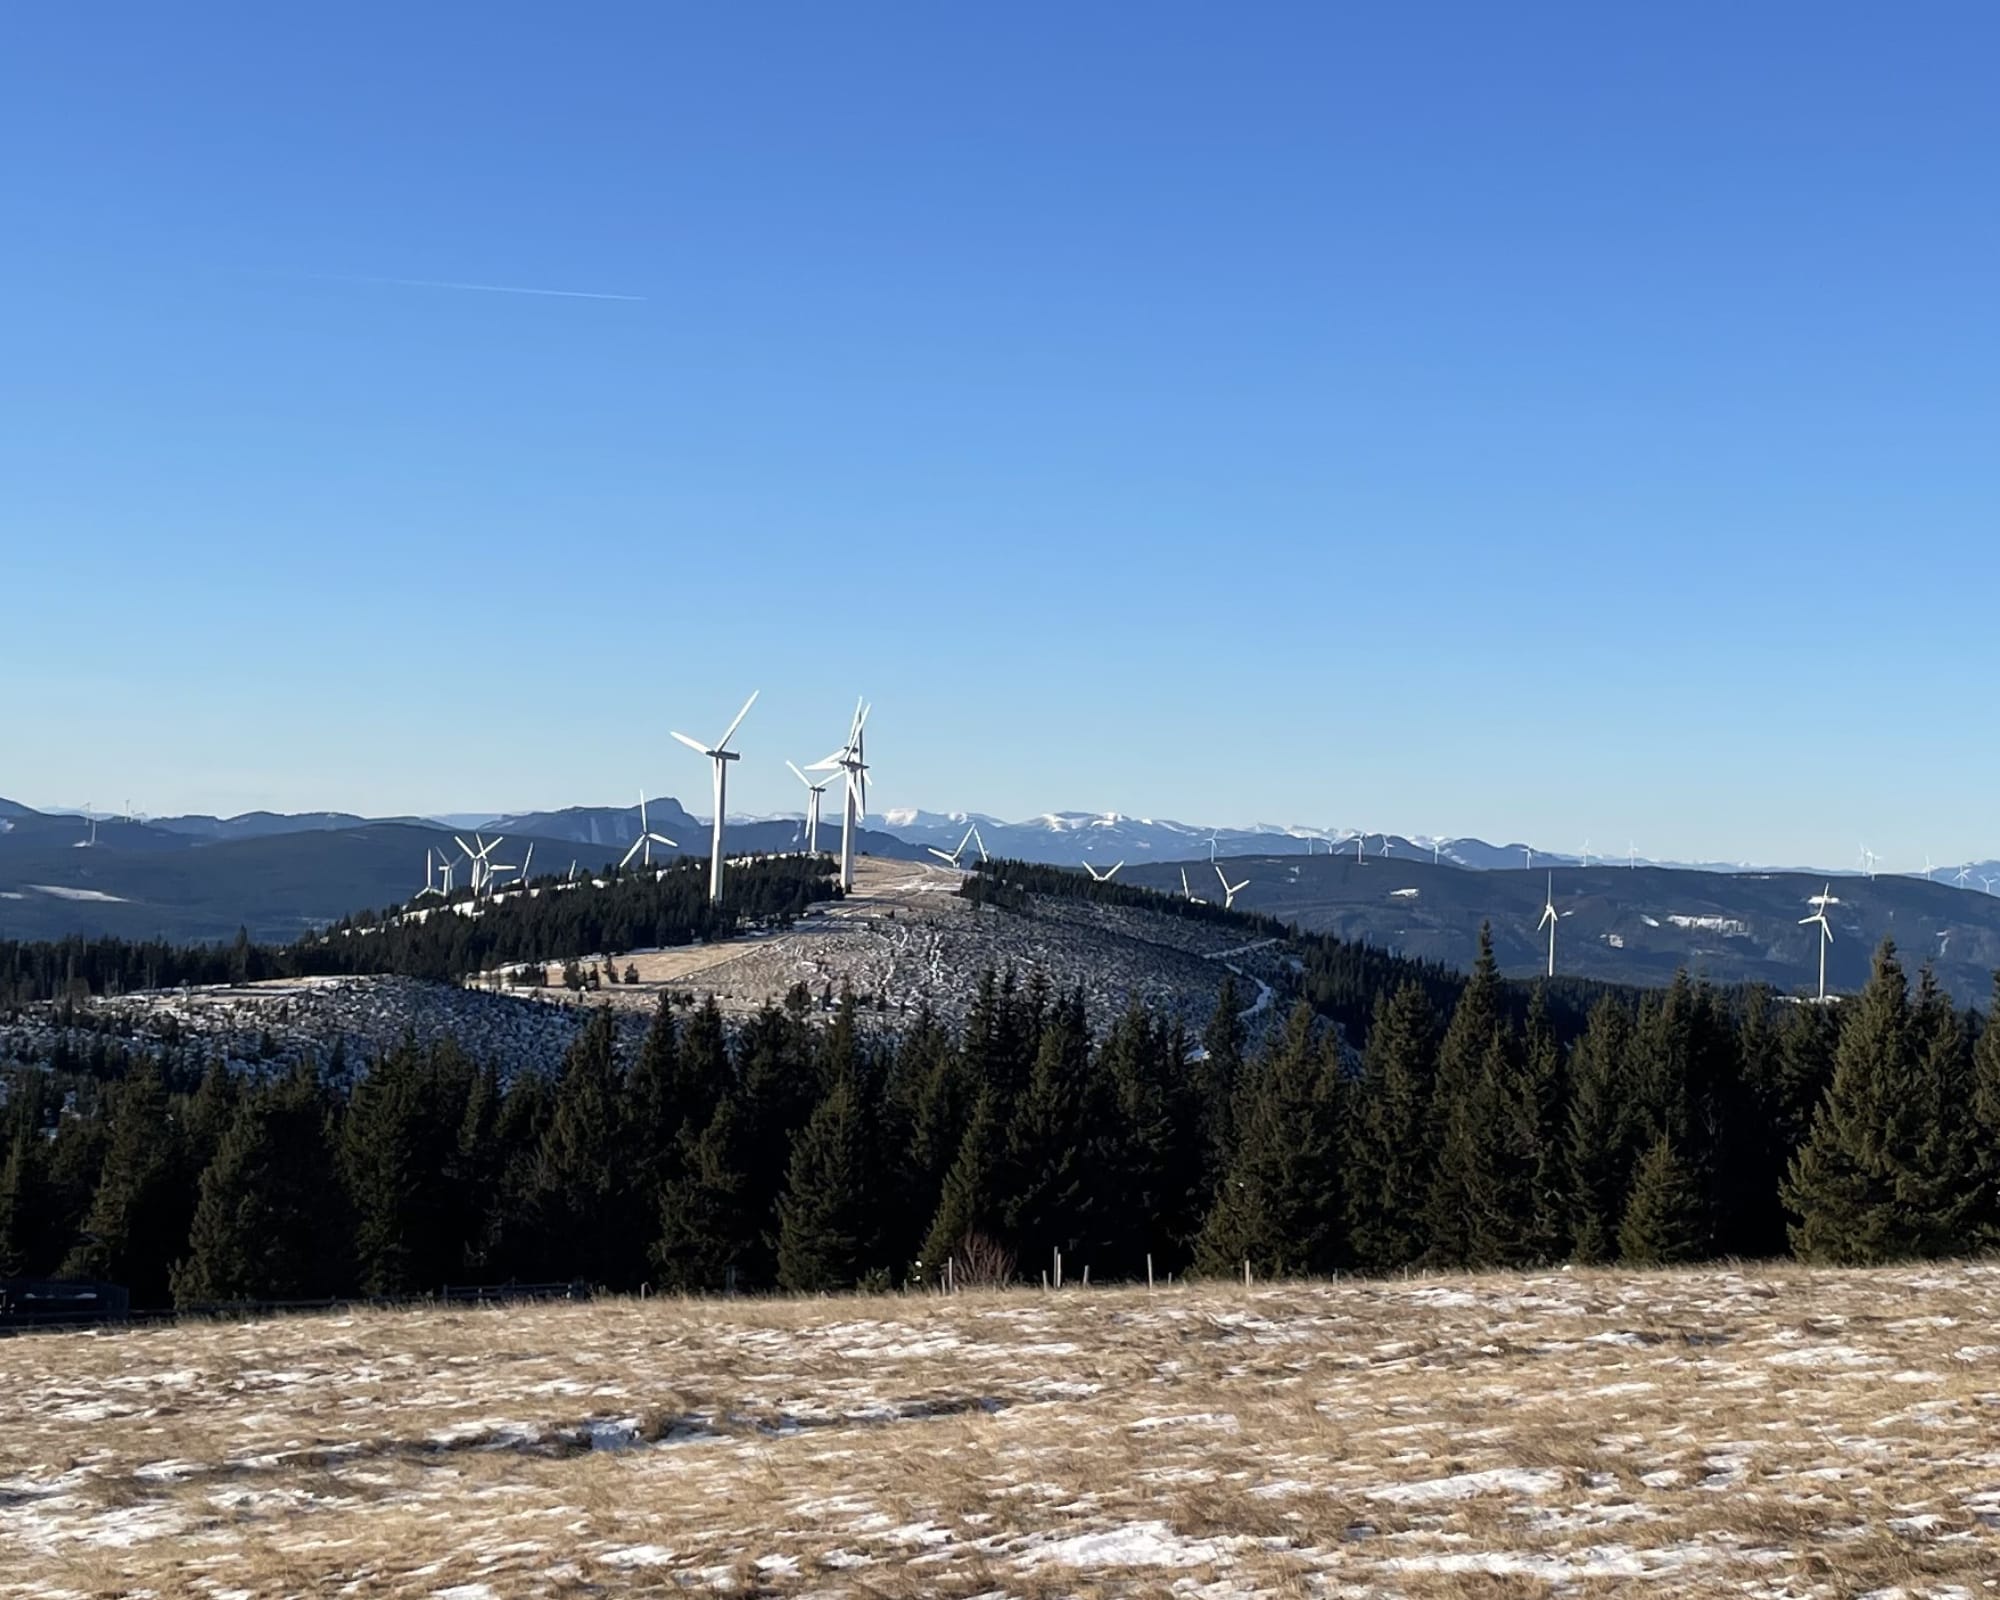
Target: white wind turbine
(1105, 876)
(643, 845)
(1385, 844)
(1549, 920)
(1230, 890)
(951, 858)
(721, 755)
(814, 793)
(1867, 862)
(85, 844)
(1964, 872)
(1586, 853)
(1632, 855)
(496, 869)
(430, 874)
(851, 759)
(479, 860)
(1928, 868)
(1529, 851)
(1819, 903)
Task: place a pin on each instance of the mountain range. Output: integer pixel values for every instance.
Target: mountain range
(203, 877)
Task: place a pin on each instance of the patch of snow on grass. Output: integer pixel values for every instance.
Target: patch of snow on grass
(1137, 1544)
(1465, 1485)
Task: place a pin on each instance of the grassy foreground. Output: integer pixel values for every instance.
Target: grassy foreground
(1776, 1432)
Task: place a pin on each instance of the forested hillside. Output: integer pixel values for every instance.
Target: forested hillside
(1683, 1124)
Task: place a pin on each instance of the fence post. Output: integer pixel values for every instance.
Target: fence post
(1086, 1274)
(1149, 1269)
(1058, 1266)
(1246, 1272)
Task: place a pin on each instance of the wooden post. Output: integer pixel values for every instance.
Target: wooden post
(951, 1274)
(1058, 1266)
(1086, 1275)
(1149, 1269)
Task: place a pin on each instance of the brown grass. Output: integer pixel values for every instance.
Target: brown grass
(1769, 1432)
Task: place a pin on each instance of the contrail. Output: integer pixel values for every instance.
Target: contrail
(482, 288)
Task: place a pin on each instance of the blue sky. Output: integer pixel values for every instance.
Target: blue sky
(1542, 421)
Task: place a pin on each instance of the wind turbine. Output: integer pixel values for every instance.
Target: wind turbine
(1385, 844)
(1631, 855)
(1819, 903)
(643, 845)
(1230, 890)
(430, 873)
(1928, 868)
(1192, 898)
(1529, 851)
(1360, 839)
(721, 755)
(1964, 872)
(950, 859)
(85, 844)
(851, 759)
(1211, 847)
(1867, 862)
(1549, 920)
(814, 791)
(1102, 877)
(1586, 852)
(480, 860)
(979, 839)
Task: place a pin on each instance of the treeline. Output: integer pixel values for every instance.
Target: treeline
(633, 911)
(807, 1157)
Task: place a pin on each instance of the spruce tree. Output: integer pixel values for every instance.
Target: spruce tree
(136, 1226)
(1881, 1176)
(1279, 1205)
(26, 1204)
(704, 1231)
(269, 1224)
(1391, 1142)
(1053, 1180)
(823, 1216)
(1665, 1221)
(583, 1177)
(1596, 1143)
(969, 1204)
(1462, 1104)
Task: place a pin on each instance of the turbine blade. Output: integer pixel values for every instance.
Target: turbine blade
(629, 854)
(723, 742)
(798, 774)
(695, 745)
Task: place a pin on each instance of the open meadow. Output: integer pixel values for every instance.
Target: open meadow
(1772, 1432)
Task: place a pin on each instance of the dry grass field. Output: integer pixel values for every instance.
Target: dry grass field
(1760, 1432)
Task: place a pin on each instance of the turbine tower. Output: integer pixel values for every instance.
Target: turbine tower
(814, 792)
(643, 845)
(1549, 920)
(1819, 903)
(850, 759)
(721, 755)
(1230, 890)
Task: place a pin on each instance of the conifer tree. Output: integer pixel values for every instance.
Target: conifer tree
(823, 1216)
(1391, 1141)
(1053, 1180)
(1665, 1219)
(1596, 1142)
(136, 1224)
(1218, 1076)
(970, 1201)
(1875, 1179)
(1464, 1079)
(25, 1202)
(582, 1182)
(704, 1231)
(1279, 1205)
(269, 1224)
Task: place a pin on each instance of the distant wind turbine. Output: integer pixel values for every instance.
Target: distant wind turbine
(814, 793)
(430, 873)
(1230, 890)
(850, 759)
(721, 755)
(1586, 852)
(1549, 920)
(1529, 851)
(1819, 903)
(1964, 873)
(642, 846)
(1102, 877)
(951, 858)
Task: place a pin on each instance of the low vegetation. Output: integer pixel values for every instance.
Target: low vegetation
(1783, 1431)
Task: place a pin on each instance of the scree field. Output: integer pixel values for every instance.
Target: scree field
(1777, 1432)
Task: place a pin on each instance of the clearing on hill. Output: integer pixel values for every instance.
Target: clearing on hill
(1715, 1432)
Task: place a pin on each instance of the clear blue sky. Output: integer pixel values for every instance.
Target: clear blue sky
(1545, 420)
